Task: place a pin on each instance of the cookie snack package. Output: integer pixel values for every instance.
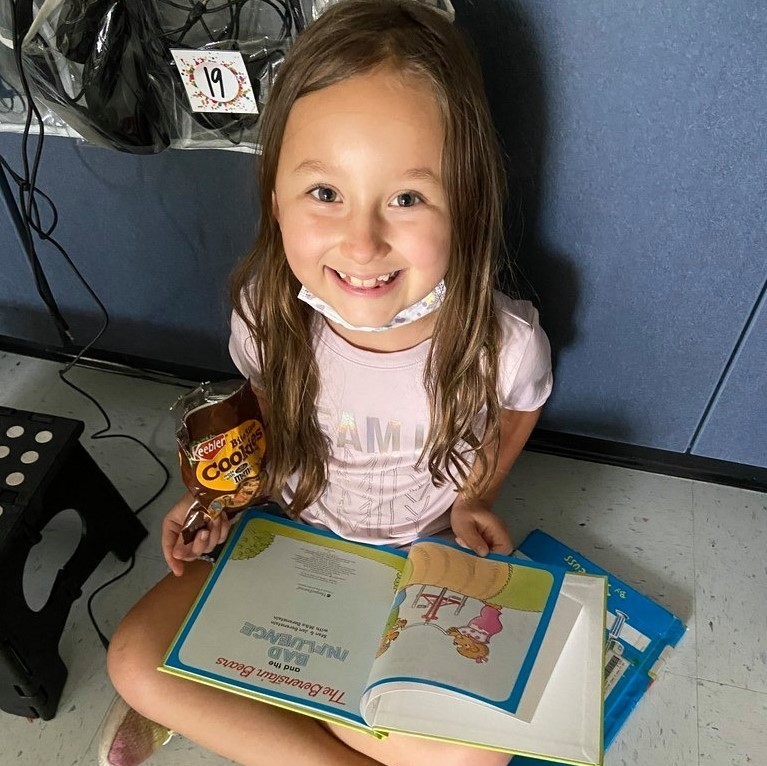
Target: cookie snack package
(222, 450)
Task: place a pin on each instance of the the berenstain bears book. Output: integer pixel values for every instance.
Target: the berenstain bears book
(434, 641)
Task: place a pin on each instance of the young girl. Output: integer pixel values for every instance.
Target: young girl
(397, 385)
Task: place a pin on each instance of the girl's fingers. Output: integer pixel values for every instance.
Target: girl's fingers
(169, 538)
(200, 543)
(190, 551)
(204, 541)
(223, 530)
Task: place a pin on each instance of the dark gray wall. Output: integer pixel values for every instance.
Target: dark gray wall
(637, 155)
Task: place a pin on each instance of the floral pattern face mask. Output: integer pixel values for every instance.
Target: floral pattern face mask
(418, 310)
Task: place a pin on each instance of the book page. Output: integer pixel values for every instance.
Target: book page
(567, 725)
(292, 613)
(465, 623)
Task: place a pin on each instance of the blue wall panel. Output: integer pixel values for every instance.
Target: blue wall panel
(155, 236)
(637, 144)
(736, 428)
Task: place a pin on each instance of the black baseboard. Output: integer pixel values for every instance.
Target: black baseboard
(111, 361)
(677, 464)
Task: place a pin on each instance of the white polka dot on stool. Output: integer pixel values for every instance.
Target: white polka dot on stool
(43, 437)
(14, 432)
(30, 457)
(4, 451)
(14, 479)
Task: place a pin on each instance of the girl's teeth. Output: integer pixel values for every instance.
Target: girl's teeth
(354, 282)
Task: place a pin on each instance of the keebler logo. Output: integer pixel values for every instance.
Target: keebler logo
(208, 449)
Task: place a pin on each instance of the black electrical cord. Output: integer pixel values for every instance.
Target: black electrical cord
(28, 185)
(30, 215)
(104, 640)
(196, 15)
(198, 12)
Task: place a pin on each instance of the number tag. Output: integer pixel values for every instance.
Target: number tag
(216, 81)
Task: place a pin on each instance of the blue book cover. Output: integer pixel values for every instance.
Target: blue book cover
(640, 634)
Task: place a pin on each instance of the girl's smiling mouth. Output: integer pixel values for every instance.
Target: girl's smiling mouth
(378, 284)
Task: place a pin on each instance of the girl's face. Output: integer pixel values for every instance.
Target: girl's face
(360, 202)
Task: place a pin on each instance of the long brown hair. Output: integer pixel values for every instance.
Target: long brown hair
(352, 38)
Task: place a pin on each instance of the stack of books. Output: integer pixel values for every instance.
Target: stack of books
(541, 655)
(640, 634)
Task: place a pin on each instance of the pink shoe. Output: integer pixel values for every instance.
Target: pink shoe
(127, 738)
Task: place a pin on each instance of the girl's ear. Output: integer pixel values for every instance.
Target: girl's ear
(275, 208)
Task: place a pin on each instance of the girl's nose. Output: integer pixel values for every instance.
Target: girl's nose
(364, 238)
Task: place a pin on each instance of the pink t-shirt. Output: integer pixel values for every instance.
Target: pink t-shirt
(375, 411)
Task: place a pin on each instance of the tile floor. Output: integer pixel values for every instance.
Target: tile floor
(699, 549)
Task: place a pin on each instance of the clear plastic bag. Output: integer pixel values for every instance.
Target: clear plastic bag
(261, 31)
(92, 63)
(13, 104)
(105, 66)
(105, 69)
(444, 6)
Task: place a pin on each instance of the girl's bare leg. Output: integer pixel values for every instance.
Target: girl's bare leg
(246, 731)
(402, 750)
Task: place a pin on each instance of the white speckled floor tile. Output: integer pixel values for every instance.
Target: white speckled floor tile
(662, 729)
(135, 407)
(23, 381)
(733, 726)
(698, 549)
(636, 525)
(731, 565)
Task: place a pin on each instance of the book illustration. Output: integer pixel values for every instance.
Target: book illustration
(444, 577)
(473, 639)
(394, 624)
(486, 580)
(458, 619)
(254, 540)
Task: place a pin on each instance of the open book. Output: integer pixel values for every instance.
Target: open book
(435, 642)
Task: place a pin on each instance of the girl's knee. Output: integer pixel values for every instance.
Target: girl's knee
(132, 661)
(472, 756)
(142, 638)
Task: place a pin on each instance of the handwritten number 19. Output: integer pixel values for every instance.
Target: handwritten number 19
(213, 77)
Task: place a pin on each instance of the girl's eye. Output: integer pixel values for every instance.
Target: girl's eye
(323, 194)
(407, 199)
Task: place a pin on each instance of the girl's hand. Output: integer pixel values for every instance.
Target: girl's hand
(173, 548)
(475, 526)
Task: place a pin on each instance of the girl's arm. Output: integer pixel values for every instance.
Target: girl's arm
(473, 522)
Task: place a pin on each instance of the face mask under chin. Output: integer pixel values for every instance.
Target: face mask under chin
(418, 310)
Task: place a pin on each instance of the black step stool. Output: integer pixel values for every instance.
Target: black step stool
(45, 470)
